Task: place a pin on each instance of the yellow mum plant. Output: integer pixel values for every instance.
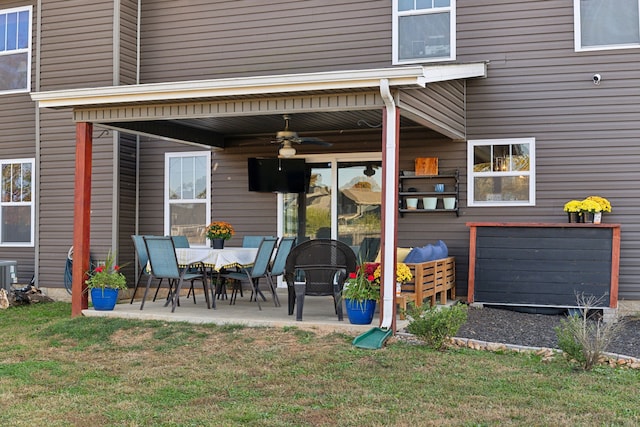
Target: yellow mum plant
(403, 273)
(591, 206)
(605, 206)
(573, 206)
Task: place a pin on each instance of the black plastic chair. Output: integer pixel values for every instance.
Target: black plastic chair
(318, 268)
(164, 264)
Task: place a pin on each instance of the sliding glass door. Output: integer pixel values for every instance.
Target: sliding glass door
(343, 201)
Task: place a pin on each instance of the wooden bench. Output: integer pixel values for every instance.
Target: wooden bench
(430, 279)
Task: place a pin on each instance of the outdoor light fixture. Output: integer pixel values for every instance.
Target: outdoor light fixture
(287, 151)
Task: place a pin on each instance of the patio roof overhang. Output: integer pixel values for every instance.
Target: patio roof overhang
(213, 112)
(210, 112)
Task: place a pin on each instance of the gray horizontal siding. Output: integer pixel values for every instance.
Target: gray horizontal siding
(211, 39)
(128, 41)
(586, 135)
(77, 44)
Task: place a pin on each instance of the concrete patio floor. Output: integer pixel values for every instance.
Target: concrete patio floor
(318, 313)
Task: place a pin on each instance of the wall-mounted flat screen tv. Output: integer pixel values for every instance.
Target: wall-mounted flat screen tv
(276, 175)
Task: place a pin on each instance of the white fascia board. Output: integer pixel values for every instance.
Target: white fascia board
(261, 85)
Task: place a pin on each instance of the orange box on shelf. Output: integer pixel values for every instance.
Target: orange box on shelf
(426, 166)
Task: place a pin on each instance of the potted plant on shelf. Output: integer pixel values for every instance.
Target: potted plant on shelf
(573, 209)
(104, 283)
(218, 232)
(605, 206)
(361, 292)
(403, 275)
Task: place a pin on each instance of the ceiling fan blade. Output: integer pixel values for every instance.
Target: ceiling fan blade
(315, 141)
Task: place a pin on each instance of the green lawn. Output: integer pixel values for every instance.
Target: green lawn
(58, 371)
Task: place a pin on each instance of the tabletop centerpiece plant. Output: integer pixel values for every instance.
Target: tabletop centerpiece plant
(104, 283)
(219, 231)
(361, 292)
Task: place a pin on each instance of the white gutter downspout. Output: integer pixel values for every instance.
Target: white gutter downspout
(390, 206)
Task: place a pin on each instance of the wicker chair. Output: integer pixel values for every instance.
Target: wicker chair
(318, 268)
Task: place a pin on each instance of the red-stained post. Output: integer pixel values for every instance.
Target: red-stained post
(81, 218)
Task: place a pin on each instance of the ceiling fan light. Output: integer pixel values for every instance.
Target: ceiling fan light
(287, 151)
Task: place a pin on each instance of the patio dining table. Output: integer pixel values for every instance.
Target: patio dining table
(217, 259)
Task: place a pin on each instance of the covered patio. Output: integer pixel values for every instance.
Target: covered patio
(218, 112)
(318, 313)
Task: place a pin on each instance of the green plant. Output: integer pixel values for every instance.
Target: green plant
(584, 338)
(435, 324)
(107, 275)
(361, 285)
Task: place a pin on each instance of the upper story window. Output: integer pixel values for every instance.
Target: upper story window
(188, 195)
(501, 172)
(15, 50)
(16, 202)
(424, 31)
(606, 24)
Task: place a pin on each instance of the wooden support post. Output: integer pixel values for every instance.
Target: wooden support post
(81, 218)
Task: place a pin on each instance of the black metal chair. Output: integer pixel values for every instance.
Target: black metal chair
(318, 268)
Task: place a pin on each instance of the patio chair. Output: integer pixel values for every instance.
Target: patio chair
(143, 264)
(318, 268)
(254, 273)
(277, 266)
(183, 242)
(252, 241)
(180, 241)
(368, 249)
(164, 264)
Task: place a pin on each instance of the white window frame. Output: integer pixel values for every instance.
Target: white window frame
(30, 203)
(577, 36)
(168, 201)
(451, 9)
(26, 50)
(472, 175)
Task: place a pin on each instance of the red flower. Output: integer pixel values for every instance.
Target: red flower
(116, 268)
(99, 269)
(352, 275)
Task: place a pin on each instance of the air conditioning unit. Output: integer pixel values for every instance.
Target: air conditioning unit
(8, 274)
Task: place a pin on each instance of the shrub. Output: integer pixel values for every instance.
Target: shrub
(584, 338)
(435, 324)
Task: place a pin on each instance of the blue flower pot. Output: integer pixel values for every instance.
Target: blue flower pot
(104, 299)
(360, 312)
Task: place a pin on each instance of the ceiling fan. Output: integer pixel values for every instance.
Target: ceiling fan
(286, 138)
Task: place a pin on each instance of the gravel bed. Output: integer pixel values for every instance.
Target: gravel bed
(507, 326)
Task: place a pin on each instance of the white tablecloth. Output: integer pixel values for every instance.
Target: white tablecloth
(217, 259)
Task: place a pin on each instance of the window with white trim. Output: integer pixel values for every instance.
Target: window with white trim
(501, 172)
(188, 195)
(15, 50)
(606, 24)
(424, 31)
(16, 202)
